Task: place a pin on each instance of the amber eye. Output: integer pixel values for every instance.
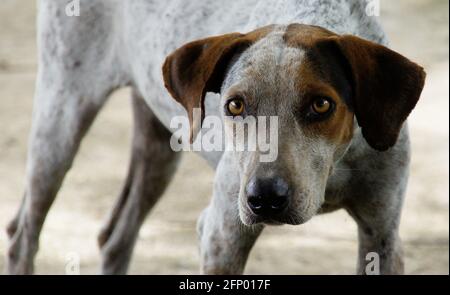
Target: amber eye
(235, 106)
(321, 105)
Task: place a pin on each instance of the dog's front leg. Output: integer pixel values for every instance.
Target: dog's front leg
(380, 249)
(379, 253)
(225, 241)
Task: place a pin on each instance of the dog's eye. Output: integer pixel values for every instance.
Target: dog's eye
(319, 109)
(322, 105)
(235, 106)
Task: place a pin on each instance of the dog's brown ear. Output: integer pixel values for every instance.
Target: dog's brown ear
(386, 87)
(199, 67)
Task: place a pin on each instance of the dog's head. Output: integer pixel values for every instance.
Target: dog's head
(315, 82)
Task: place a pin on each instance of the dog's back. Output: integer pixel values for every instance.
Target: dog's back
(127, 41)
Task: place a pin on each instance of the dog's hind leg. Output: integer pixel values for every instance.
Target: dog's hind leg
(61, 117)
(76, 75)
(152, 165)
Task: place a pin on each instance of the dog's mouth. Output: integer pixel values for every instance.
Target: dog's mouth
(290, 216)
(248, 218)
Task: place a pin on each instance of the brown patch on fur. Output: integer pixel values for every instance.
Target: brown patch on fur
(314, 81)
(199, 67)
(304, 36)
(337, 128)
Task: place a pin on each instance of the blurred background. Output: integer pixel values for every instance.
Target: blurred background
(167, 243)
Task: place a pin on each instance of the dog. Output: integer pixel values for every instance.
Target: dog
(321, 67)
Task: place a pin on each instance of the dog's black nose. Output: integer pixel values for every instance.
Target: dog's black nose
(267, 196)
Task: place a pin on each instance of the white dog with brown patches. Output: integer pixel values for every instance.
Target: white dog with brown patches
(340, 96)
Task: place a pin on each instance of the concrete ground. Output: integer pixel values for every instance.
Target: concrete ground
(167, 242)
